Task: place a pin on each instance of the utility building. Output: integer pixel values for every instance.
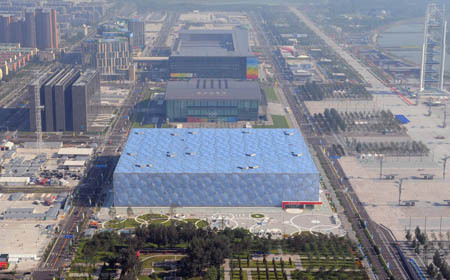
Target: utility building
(215, 167)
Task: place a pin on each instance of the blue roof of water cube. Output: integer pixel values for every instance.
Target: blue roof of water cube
(203, 150)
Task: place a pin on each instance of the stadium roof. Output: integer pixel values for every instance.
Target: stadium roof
(214, 89)
(215, 151)
(232, 42)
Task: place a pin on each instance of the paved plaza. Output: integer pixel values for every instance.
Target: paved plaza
(274, 220)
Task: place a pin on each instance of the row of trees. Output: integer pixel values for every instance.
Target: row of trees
(403, 148)
(438, 268)
(206, 248)
(334, 119)
(311, 91)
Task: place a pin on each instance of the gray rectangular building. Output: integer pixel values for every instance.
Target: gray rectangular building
(86, 100)
(213, 54)
(58, 101)
(63, 96)
(202, 100)
(69, 100)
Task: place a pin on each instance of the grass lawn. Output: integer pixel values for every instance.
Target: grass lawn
(257, 216)
(159, 221)
(236, 274)
(82, 269)
(120, 224)
(149, 217)
(278, 122)
(261, 264)
(138, 125)
(262, 274)
(270, 94)
(356, 275)
(202, 224)
(156, 259)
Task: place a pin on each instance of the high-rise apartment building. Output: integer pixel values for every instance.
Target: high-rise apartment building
(54, 29)
(5, 22)
(16, 31)
(30, 29)
(38, 29)
(43, 29)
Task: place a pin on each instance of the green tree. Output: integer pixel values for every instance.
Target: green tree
(130, 212)
(408, 235)
(112, 212)
(437, 259)
(430, 270)
(211, 273)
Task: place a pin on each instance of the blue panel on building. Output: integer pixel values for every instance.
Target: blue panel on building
(215, 167)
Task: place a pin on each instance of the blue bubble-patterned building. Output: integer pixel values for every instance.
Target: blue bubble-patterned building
(215, 167)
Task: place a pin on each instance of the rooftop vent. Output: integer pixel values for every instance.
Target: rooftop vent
(289, 133)
(250, 154)
(296, 154)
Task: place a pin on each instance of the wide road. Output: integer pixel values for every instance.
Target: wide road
(302, 117)
(371, 79)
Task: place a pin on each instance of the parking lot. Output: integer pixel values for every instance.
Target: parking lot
(27, 238)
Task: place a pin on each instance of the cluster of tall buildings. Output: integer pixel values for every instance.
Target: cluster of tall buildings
(64, 100)
(110, 51)
(37, 29)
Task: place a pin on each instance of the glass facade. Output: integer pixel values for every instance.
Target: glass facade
(212, 110)
(215, 167)
(189, 189)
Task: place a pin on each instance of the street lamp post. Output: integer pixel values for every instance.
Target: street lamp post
(380, 158)
(400, 184)
(444, 165)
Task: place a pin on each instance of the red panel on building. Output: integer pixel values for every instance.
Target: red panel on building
(3, 265)
(285, 203)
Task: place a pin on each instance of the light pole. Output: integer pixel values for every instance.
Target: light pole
(400, 183)
(444, 165)
(444, 124)
(380, 158)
